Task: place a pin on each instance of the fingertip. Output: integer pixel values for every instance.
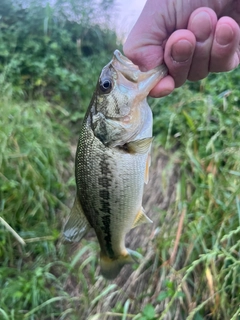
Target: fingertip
(182, 50)
(224, 54)
(163, 88)
(227, 32)
(178, 55)
(202, 23)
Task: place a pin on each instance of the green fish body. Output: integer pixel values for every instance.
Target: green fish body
(112, 161)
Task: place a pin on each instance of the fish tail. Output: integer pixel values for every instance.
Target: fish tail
(110, 268)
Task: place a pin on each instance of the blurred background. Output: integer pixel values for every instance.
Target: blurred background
(51, 53)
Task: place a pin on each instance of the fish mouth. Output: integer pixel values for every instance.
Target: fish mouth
(145, 80)
(125, 66)
(122, 59)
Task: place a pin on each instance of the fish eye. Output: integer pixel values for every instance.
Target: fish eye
(105, 85)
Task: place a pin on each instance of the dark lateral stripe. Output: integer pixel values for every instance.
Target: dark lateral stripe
(108, 239)
(104, 194)
(104, 182)
(104, 197)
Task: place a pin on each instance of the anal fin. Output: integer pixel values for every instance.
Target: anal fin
(141, 218)
(77, 225)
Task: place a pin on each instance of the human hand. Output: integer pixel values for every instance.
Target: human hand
(192, 41)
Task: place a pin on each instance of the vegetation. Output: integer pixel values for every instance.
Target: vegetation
(49, 51)
(47, 77)
(206, 127)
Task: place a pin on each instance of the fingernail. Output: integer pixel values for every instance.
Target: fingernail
(224, 34)
(201, 26)
(182, 51)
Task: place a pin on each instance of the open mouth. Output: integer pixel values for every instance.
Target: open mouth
(131, 71)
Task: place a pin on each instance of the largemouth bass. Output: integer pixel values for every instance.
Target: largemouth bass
(112, 161)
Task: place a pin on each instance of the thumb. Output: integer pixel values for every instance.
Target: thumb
(145, 56)
(144, 45)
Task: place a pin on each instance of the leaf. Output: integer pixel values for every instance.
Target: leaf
(162, 296)
(149, 312)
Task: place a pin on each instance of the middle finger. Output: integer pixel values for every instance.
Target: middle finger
(202, 24)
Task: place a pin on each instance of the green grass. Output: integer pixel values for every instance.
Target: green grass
(206, 126)
(44, 280)
(36, 278)
(33, 147)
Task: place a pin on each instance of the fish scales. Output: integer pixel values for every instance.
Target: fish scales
(112, 161)
(114, 173)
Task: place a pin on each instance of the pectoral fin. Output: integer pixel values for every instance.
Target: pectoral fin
(139, 146)
(77, 225)
(141, 218)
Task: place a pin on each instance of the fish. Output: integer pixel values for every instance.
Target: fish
(112, 161)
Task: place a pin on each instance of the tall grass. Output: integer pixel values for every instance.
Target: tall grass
(37, 281)
(195, 268)
(33, 149)
(205, 124)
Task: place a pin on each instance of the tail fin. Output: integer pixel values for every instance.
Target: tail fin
(110, 268)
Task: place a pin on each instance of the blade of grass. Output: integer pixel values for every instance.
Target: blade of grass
(13, 232)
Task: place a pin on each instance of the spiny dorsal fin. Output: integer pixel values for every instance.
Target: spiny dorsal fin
(139, 146)
(141, 218)
(77, 225)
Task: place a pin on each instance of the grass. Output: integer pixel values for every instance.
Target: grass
(31, 191)
(193, 268)
(207, 127)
